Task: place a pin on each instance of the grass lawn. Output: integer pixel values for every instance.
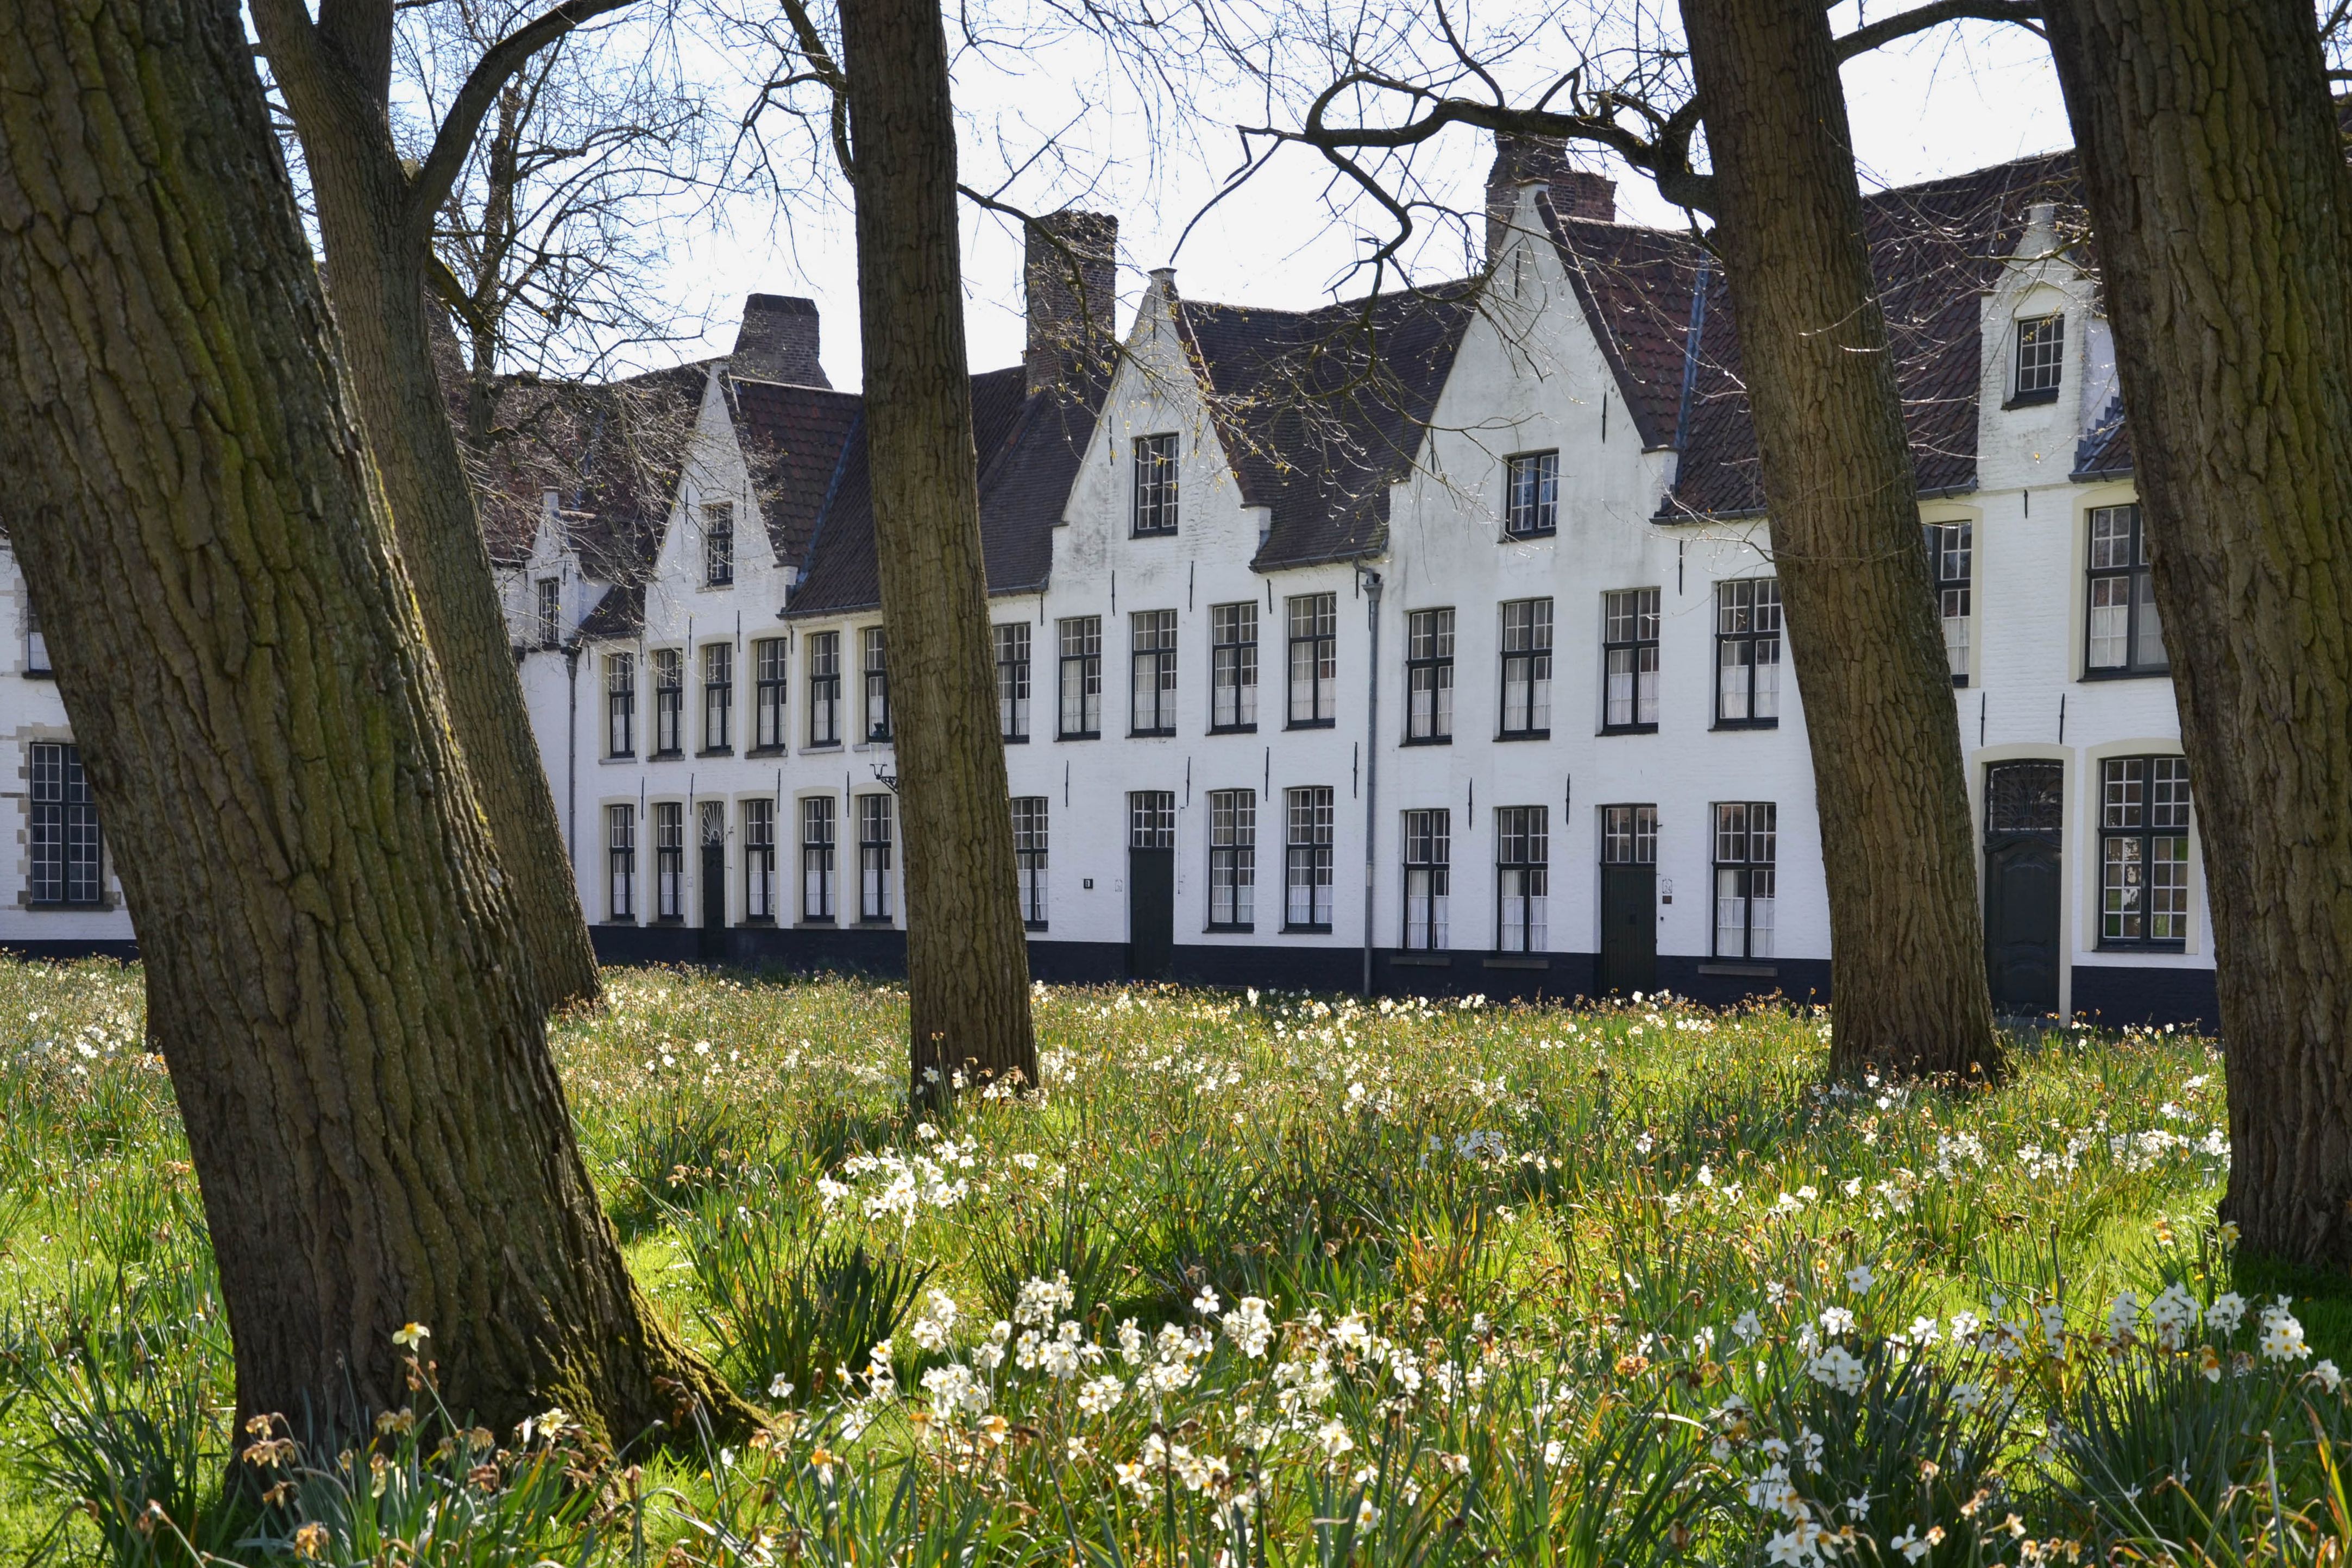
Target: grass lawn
(1258, 1279)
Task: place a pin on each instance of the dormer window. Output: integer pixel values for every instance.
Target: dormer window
(1155, 485)
(550, 612)
(719, 544)
(2040, 355)
(1531, 496)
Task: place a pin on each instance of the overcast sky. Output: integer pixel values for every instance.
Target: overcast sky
(1957, 99)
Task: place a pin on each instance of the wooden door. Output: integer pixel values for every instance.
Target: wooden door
(2025, 814)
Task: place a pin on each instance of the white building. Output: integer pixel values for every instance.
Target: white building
(1534, 494)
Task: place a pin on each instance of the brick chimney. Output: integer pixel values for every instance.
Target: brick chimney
(1072, 291)
(777, 341)
(1575, 193)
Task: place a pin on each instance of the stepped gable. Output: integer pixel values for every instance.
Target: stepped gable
(1321, 410)
(1935, 248)
(611, 451)
(1030, 446)
(2105, 449)
(792, 436)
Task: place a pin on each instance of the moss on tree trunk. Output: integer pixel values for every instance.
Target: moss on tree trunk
(2214, 167)
(967, 954)
(332, 965)
(1898, 851)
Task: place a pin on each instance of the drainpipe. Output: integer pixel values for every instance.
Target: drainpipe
(572, 760)
(1370, 581)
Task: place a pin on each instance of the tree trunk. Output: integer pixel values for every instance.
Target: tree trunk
(2217, 190)
(333, 968)
(967, 954)
(1898, 851)
(376, 245)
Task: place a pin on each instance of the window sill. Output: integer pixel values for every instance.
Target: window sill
(1746, 724)
(1742, 969)
(1014, 739)
(871, 741)
(1513, 961)
(622, 757)
(1423, 960)
(1081, 735)
(1152, 533)
(765, 751)
(630, 921)
(817, 923)
(1289, 930)
(1214, 930)
(2157, 950)
(2032, 399)
(2157, 673)
(1510, 538)
(1629, 730)
(59, 906)
(1428, 740)
(40, 675)
(1312, 723)
(1512, 735)
(1232, 729)
(716, 751)
(667, 756)
(759, 920)
(1032, 926)
(668, 920)
(1959, 683)
(877, 923)
(821, 746)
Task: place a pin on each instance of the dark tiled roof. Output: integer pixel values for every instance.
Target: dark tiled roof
(1320, 412)
(1029, 447)
(792, 438)
(1935, 248)
(619, 615)
(2105, 449)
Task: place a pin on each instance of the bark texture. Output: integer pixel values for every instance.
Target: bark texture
(376, 225)
(1898, 850)
(332, 964)
(967, 954)
(2215, 177)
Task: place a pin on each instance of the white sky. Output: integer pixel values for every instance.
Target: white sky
(1956, 99)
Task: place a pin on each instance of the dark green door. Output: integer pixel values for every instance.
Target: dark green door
(1150, 914)
(2024, 812)
(1629, 900)
(713, 944)
(1629, 929)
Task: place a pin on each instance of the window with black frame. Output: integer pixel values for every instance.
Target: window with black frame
(2126, 635)
(1531, 500)
(718, 697)
(1951, 552)
(1308, 859)
(719, 544)
(873, 843)
(669, 702)
(768, 670)
(1629, 835)
(621, 863)
(1748, 653)
(1151, 818)
(1152, 677)
(760, 860)
(2144, 852)
(876, 666)
(1232, 666)
(1314, 661)
(2041, 358)
(1522, 877)
(1029, 828)
(1429, 677)
(67, 853)
(1629, 661)
(1233, 860)
(824, 660)
(1155, 485)
(550, 612)
(1746, 849)
(816, 858)
(1428, 870)
(620, 705)
(669, 861)
(1012, 680)
(1526, 670)
(1080, 688)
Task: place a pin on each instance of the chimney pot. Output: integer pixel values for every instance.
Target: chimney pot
(778, 341)
(1521, 160)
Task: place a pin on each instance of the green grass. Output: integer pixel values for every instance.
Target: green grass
(1489, 1283)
